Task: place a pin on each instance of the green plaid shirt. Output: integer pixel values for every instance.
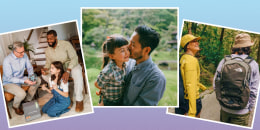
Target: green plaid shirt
(111, 81)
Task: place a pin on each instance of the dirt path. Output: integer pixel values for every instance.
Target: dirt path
(210, 106)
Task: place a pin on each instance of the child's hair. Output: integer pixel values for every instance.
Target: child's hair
(58, 65)
(112, 42)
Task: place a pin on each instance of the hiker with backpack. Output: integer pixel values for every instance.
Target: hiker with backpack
(189, 85)
(236, 82)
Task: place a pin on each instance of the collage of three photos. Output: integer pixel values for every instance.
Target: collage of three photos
(130, 58)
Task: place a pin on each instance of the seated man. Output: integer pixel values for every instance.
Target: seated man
(13, 76)
(63, 51)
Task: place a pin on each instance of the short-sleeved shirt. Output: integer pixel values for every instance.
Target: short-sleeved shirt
(63, 86)
(111, 81)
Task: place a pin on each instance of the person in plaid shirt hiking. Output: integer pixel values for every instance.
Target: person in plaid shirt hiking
(110, 81)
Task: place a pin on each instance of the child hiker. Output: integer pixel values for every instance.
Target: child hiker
(111, 79)
(60, 101)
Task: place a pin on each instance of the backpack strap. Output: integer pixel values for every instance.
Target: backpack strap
(248, 59)
(228, 57)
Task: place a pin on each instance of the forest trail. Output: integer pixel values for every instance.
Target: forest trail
(210, 107)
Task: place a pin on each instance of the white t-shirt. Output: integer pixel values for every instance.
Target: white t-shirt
(64, 87)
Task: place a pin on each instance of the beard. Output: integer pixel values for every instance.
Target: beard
(136, 55)
(53, 44)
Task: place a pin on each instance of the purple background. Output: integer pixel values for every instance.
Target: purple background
(16, 15)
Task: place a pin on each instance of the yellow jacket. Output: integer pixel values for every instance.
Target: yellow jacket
(190, 71)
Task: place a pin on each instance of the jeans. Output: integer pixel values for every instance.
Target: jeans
(57, 105)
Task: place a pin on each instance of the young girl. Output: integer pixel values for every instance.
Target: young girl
(111, 79)
(60, 101)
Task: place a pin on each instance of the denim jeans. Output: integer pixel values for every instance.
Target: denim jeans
(57, 105)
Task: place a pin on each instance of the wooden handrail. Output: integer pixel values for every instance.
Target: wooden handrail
(29, 36)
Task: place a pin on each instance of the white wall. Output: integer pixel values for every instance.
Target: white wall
(65, 31)
(5, 40)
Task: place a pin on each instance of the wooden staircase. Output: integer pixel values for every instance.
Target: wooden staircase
(39, 55)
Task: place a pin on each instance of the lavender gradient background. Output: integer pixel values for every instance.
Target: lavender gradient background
(17, 15)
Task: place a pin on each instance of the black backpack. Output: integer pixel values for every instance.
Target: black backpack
(232, 83)
(181, 89)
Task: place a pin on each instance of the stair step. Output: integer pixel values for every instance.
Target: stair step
(43, 42)
(42, 47)
(40, 59)
(39, 53)
(44, 34)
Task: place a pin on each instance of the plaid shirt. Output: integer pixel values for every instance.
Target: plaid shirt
(111, 81)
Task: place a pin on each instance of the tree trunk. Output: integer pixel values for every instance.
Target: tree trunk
(203, 30)
(194, 28)
(221, 38)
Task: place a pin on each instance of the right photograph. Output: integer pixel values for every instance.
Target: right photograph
(218, 74)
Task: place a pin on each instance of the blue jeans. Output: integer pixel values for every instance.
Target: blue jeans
(57, 105)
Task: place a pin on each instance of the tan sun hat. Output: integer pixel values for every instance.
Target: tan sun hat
(243, 40)
(187, 38)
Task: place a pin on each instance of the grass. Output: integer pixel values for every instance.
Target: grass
(170, 95)
(93, 64)
(92, 76)
(164, 55)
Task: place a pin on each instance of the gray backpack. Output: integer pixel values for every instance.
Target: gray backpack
(232, 83)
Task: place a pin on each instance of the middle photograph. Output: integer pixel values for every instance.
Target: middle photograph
(131, 55)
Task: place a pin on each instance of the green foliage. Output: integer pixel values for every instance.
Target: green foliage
(93, 59)
(213, 49)
(98, 24)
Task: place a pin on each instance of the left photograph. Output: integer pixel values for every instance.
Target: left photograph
(43, 74)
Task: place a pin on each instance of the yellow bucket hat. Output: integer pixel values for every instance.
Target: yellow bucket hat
(187, 38)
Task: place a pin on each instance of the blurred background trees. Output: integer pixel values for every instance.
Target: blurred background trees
(99, 23)
(216, 42)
